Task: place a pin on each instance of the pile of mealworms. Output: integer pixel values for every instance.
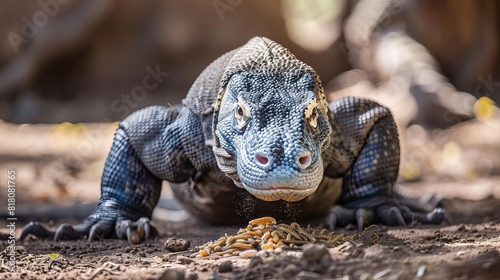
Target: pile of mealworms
(266, 234)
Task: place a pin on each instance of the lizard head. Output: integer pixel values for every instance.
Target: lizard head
(271, 126)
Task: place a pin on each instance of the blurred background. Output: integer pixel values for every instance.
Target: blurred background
(70, 70)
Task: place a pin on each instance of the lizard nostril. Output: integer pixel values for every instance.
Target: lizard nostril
(305, 160)
(262, 159)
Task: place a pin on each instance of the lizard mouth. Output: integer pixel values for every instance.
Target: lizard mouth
(284, 192)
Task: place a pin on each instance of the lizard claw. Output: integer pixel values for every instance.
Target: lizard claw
(67, 231)
(363, 218)
(37, 229)
(340, 215)
(344, 216)
(134, 232)
(101, 228)
(106, 221)
(396, 213)
(435, 216)
(392, 216)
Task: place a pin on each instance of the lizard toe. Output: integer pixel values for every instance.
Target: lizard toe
(37, 229)
(436, 216)
(134, 232)
(100, 229)
(392, 216)
(344, 216)
(364, 218)
(70, 232)
(340, 216)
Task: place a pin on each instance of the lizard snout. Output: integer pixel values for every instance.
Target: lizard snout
(304, 160)
(264, 160)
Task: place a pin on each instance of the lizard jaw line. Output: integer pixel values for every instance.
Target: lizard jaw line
(284, 192)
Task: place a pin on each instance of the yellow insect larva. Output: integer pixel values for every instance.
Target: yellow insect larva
(324, 232)
(294, 225)
(254, 233)
(204, 253)
(227, 252)
(296, 242)
(266, 236)
(290, 231)
(305, 235)
(248, 253)
(230, 240)
(277, 234)
(259, 227)
(263, 221)
(335, 238)
(241, 246)
(267, 246)
(243, 236)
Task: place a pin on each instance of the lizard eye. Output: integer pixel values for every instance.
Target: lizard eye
(311, 114)
(313, 120)
(242, 114)
(239, 111)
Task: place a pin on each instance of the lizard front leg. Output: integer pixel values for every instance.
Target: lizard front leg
(146, 149)
(368, 154)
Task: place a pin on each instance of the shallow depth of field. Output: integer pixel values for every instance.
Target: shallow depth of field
(71, 70)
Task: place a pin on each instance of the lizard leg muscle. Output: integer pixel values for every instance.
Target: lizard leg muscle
(147, 148)
(372, 151)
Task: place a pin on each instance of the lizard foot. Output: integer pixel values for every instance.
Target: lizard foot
(134, 232)
(107, 221)
(405, 210)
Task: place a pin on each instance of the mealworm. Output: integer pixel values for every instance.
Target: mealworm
(265, 234)
(263, 221)
(248, 253)
(241, 246)
(290, 231)
(305, 234)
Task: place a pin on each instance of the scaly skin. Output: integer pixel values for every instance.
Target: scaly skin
(255, 137)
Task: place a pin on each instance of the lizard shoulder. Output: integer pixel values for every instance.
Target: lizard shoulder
(352, 120)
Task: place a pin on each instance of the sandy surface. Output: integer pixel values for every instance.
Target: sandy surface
(59, 167)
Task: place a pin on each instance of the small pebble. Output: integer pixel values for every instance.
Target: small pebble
(175, 245)
(421, 271)
(225, 266)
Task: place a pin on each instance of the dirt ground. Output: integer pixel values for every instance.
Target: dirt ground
(58, 170)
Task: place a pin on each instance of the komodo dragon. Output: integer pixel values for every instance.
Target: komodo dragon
(255, 137)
